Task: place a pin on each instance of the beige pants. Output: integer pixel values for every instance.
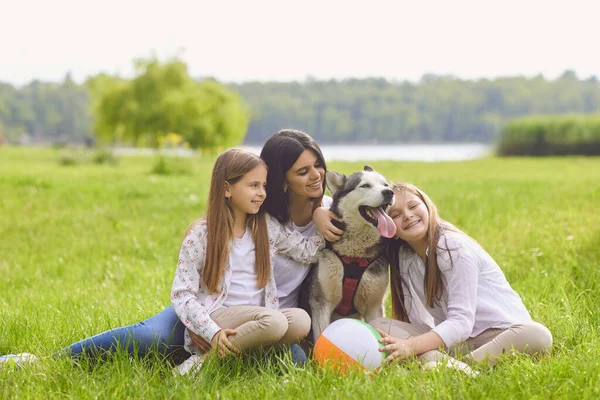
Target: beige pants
(261, 326)
(527, 337)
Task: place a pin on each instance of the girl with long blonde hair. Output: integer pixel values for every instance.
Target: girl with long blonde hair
(224, 290)
(448, 292)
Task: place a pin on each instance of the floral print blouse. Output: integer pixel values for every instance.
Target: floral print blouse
(191, 298)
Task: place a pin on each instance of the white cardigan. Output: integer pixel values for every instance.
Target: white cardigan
(191, 299)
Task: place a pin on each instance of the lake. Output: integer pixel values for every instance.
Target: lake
(357, 152)
(403, 152)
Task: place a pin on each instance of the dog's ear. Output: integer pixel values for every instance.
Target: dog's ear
(368, 168)
(335, 181)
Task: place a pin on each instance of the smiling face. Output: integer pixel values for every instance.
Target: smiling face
(305, 177)
(411, 217)
(365, 195)
(248, 193)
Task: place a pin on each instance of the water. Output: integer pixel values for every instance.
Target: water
(408, 152)
(398, 152)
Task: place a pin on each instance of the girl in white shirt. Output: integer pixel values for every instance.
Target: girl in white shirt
(224, 289)
(296, 186)
(448, 292)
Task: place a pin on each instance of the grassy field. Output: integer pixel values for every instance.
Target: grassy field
(88, 247)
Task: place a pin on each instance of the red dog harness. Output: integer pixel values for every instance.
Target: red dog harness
(354, 268)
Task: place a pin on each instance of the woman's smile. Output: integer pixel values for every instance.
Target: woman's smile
(316, 185)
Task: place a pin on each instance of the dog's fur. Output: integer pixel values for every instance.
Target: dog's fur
(361, 238)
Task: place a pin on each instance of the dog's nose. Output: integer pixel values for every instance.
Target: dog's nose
(387, 192)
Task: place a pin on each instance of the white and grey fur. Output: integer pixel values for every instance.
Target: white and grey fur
(360, 239)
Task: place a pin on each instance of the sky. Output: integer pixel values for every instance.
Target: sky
(236, 41)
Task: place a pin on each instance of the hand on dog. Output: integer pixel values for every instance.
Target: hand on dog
(397, 349)
(322, 218)
(222, 343)
(199, 342)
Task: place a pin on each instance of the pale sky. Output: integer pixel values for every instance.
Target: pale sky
(284, 40)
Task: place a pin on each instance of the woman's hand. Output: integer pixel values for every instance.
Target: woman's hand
(397, 349)
(222, 344)
(322, 218)
(199, 342)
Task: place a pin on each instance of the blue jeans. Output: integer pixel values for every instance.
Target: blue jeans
(162, 332)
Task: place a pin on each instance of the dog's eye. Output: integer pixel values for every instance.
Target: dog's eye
(365, 185)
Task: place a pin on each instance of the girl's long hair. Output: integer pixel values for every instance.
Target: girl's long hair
(433, 277)
(230, 167)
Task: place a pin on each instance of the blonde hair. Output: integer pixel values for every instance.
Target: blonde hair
(230, 167)
(433, 285)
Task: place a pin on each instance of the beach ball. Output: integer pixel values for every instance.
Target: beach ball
(349, 343)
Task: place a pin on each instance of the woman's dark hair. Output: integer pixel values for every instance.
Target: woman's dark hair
(280, 152)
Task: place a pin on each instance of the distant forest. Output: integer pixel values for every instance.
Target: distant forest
(435, 109)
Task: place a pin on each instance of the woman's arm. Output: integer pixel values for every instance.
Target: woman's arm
(187, 290)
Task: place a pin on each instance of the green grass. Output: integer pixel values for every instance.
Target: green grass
(88, 247)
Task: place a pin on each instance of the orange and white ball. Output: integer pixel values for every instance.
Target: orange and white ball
(349, 344)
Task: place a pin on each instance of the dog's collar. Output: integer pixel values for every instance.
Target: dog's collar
(348, 260)
(361, 261)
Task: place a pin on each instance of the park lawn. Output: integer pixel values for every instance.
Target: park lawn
(88, 247)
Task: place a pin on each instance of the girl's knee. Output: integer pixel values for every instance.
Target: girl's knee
(275, 325)
(297, 316)
(299, 323)
(535, 337)
(538, 336)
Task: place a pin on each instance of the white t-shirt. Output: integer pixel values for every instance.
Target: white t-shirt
(243, 290)
(290, 274)
(476, 294)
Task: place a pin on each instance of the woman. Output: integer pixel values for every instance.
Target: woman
(295, 188)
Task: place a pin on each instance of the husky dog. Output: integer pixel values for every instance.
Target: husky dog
(351, 275)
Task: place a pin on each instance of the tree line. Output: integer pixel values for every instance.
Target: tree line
(373, 110)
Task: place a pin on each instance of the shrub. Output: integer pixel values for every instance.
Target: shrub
(104, 157)
(551, 135)
(68, 159)
(172, 166)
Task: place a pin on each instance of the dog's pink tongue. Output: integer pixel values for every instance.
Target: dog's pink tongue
(385, 224)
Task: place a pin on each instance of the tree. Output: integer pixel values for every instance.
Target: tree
(163, 98)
